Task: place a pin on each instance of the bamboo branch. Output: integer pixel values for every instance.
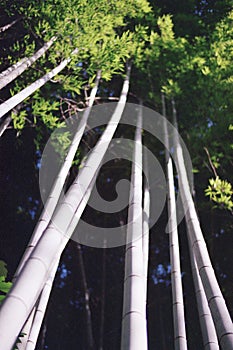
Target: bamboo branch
(211, 163)
(9, 25)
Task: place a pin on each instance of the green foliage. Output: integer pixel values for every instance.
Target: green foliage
(97, 29)
(220, 192)
(4, 286)
(4, 289)
(3, 269)
(171, 89)
(19, 119)
(45, 109)
(61, 141)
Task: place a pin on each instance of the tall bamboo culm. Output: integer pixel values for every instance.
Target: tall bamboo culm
(180, 340)
(209, 336)
(30, 337)
(134, 332)
(216, 302)
(33, 276)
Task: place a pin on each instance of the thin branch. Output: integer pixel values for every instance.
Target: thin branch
(211, 163)
(5, 124)
(8, 26)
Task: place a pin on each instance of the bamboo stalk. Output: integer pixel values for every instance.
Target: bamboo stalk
(146, 231)
(12, 68)
(14, 71)
(24, 294)
(8, 105)
(180, 340)
(26, 331)
(50, 207)
(145, 220)
(103, 294)
(210, 340)
(218, 308)
(55, 193)
(41, 309)
(134, 333)
(5, 125)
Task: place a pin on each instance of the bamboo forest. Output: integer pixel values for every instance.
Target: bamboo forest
(116, 176)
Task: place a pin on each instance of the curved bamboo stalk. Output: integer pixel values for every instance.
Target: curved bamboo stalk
(180, 339)
(41, 309)
(50, 207)
(210, 340)
(13, 72)
(134, 333)
(55, 193)
(26, 331)
(8, 105)
(218, 308)
(32, 337)
(28, 286)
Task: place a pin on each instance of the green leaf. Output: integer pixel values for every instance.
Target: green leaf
(4, 286)
(2, 297)
(3, 269)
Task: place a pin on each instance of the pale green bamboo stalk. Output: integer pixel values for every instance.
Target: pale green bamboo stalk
(180, 340)
(8, 105)
(14, 71)
(51, 205)
(55, 193)
(146, 233)
(145, 221)
(218, 308)
(134, 332)
(24, 293)
(210, 340)
(41, 309)
(103, 302)
(13, 67)
(26, 331)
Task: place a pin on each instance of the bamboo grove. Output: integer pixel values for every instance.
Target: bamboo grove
(69, 59)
